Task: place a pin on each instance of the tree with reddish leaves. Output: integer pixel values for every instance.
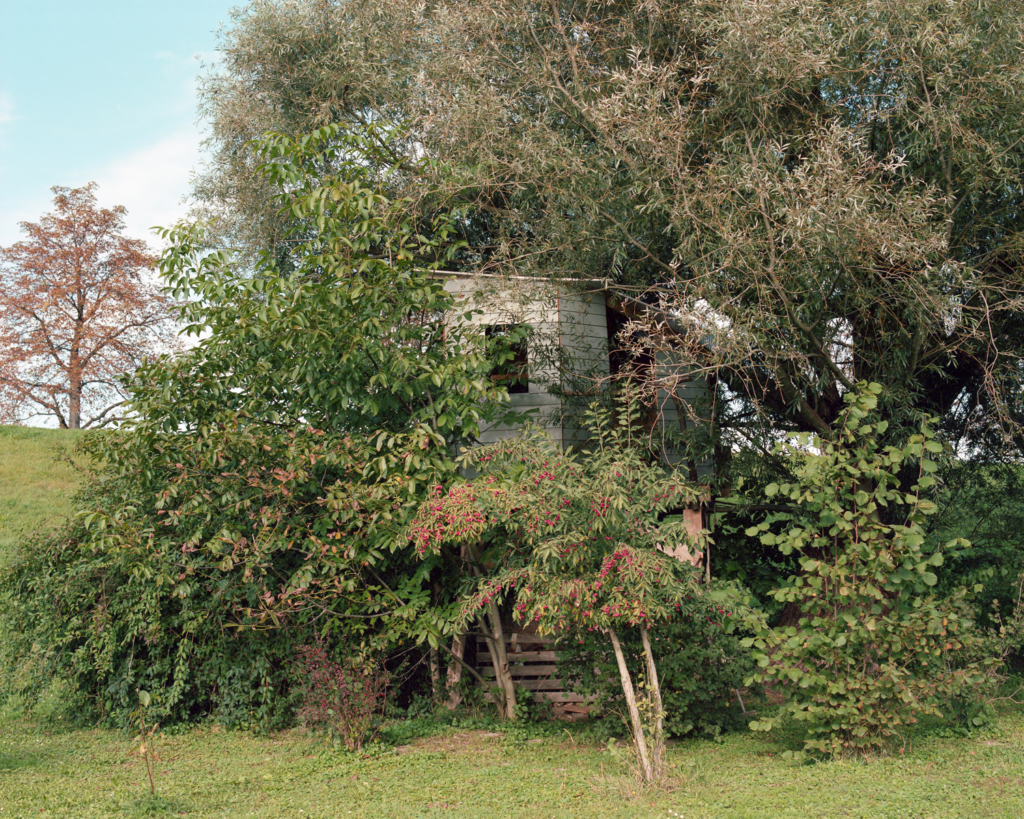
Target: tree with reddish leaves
(77, 312)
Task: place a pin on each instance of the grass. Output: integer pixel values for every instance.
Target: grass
(211, 773)
(36, 481)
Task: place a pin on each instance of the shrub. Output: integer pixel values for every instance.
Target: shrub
(264, 475)
(872, 649)
(345, 698)
(106, 621)
(573, 540)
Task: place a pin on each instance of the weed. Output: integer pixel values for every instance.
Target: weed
(346, 698)
(145, 737)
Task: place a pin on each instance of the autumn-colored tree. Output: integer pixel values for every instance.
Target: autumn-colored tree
(76, 313)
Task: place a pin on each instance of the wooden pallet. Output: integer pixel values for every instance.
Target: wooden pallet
(533, 664)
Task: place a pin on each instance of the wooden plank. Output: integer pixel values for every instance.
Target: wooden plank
(524, 637)
(533, 670)
(561, 696)
(520, 671)
(532, 656)
(540, 685)
(564, 697)
(538, 677)
(517, 641)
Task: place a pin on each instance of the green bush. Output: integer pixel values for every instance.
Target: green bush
(874, 647)
(700, 665)
(254, 501)
(106, 622)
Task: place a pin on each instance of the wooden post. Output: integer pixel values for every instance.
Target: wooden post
(634, 712)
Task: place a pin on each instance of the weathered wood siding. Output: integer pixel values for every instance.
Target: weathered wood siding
(567, 355)
(567, 348)
(689, 392)
(583, 336)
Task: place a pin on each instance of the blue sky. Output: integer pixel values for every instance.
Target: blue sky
(102, 91)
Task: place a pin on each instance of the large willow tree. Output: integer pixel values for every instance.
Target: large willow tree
(795, 196)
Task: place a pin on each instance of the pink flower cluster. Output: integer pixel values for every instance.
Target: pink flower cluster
(450, 517)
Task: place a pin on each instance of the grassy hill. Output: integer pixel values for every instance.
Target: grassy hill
(36, 481)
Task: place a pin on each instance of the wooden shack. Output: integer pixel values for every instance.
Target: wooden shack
(570, 355)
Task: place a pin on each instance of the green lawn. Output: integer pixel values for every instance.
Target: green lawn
(36, 481)
(480, 774)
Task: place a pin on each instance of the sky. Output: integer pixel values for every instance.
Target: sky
(102, 91)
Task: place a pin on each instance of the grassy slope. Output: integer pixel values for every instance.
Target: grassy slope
(35, 482)
(91, 774)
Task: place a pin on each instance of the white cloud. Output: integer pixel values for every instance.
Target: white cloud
(152, 182)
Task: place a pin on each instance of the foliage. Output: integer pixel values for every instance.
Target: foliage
(981, 504)
(812, 194)
(700, 665)
(578, 535)
(109, 616)
(254, 500)
(872, 646)
(735, 556)
(344, 697)
(993, 643)
(576, 540)
(76, 314)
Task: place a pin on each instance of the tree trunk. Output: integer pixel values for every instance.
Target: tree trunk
(75, 376)
(455, 672)
(75, 406)
(634, 712)
(499, 658)
(435, 674)
(495, 635)
(654, 687)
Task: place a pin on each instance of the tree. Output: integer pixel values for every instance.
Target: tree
(811, 194)
(77, 313)
(875, 647)
(265, 475)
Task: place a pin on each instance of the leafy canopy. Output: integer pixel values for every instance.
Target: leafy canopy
(814, 194)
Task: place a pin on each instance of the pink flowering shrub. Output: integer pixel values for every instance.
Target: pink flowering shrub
(574, 538)
(344, 698)
(576, 542)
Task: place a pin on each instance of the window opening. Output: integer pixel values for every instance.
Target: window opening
(509, 347)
